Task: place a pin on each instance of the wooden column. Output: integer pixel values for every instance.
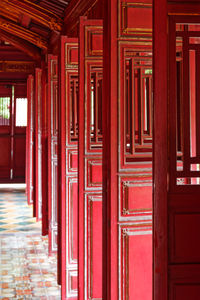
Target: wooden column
(127, 150)
(160, 151)
(30, 141)
(52, 150)
(68, 142)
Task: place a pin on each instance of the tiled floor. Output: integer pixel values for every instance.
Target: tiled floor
(26, 270)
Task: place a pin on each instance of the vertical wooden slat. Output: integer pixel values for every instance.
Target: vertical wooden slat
(197, 104)
(173, 105)
(186, 105)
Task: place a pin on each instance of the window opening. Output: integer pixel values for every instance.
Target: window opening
(21, 112)
(4, 111)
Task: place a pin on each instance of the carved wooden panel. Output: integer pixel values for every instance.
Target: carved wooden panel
(176, 157)
(90, 159)
(30, 141)
(52, 150)
(136, 105)
(134, 170)
(135, 19)
(184, 150)
(135, 242)
(184, 145)
(68, 245)
(38, 143)
(127, 150)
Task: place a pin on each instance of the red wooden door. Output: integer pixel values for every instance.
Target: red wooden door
(38, 143)
(30, 141)
(176, 161)
(127, 151)
(90, 159)
(5, 133)
(68, 218)
(52, 150)
(18, 139)
(12, 133)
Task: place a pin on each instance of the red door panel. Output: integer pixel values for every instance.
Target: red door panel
(5, 157)
(90, 158)
(68, 206)
(183, 194)
(38, 144)
(127, 151)
(52, 150)
(30, 141)
(20, 153)
(5, 133)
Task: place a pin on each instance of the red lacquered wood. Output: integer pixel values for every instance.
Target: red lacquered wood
(52, 150)
(176, 183)
(127, 151)
(19, 137)
(38, 143)
(30, 140)
(160, 151)
(68, 139)
(44, 155)
(27, 145)
(90, 160)
(5, 141)
(12, 138)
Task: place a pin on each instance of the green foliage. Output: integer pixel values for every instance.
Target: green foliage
(148, 71)
(5, 107)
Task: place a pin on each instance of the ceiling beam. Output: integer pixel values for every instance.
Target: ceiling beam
(34, 11)
(22, 45)
(23, 33)
(75, 9)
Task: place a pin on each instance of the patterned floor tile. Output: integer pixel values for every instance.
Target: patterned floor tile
(26, 270)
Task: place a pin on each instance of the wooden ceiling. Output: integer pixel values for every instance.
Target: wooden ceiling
(30, 24)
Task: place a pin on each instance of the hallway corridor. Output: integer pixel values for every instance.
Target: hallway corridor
(26, 270)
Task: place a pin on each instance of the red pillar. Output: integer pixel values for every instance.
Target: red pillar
(160, 150)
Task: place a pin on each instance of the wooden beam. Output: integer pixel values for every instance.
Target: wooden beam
(22, 45)
(75, 9)
(17, 66)
(34, 11)
(23, 33)
(25, 21)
